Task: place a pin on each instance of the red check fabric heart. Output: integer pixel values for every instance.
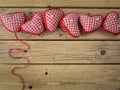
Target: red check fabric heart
(111, 23)
(52, 18)
(90, 23)
(34, 25)
(70, 24)
(13, 22)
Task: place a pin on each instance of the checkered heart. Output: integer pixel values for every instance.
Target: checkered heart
(52, 18)
(111, 23)
(34, 25)
(90, 23)
(12, 22)
(70, 24)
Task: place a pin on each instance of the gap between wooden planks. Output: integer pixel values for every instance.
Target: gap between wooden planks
(59, 3)
(64, 51)
(62, 77)
(59, 34)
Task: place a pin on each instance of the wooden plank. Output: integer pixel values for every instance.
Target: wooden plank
(59, 3)
(64, 52)
(62, 77)
(59, 34)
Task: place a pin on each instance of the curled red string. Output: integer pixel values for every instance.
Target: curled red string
(19, 57)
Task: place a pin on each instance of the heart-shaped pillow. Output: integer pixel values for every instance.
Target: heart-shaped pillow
(90, 23)
(111, 23)
(12, 22)
(52, 18)
(70, 24)
(34, 25)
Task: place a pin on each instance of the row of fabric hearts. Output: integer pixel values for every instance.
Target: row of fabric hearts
(72, 23)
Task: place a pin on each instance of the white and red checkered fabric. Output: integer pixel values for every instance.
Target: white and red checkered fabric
(34, 25)
(111, 23)
(52, 18)
(70, 24)
(13, 22)
(90, 23)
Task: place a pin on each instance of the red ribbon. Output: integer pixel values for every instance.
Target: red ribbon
(19, 57)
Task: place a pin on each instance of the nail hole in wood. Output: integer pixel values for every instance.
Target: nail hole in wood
(30, 87)
(25, 50)
(60, 34)
(46, 73)
(103, 52)
(49, 6)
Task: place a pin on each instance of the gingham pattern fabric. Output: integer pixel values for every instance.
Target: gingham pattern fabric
(70, 24)
(52, 18)
(34, 26)
(90, 23)
(13, 22)
(111, 23)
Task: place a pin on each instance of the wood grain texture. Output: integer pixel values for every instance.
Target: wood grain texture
(64, 52)
(62, 77)
(59, 34)
(70, 62)
(59, 3)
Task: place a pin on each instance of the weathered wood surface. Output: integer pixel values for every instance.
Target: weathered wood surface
(62, 77)
(58, 61)
(59, 3)
(65, 51)
(59, 34)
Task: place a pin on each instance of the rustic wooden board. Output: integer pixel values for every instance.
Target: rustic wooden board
(62, 77)
(65, 51)
(58, 61)
(59, 34)
(59, 3)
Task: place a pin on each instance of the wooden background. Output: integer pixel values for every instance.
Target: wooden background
(58, 61)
